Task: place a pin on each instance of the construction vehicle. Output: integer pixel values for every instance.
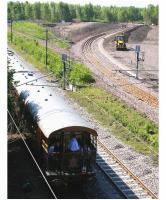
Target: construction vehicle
(120, 42)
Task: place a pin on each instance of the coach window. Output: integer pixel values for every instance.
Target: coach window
(56, 142)
(94, 140)
(68, 137)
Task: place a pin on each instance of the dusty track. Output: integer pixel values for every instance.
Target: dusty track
(92, 56)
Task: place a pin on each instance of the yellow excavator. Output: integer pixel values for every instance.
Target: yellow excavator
(120, 42)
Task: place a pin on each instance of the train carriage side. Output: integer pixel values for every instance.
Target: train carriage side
(55, 123)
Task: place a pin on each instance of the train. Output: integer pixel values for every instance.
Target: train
(54, 123)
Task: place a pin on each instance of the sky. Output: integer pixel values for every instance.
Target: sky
(136, 3)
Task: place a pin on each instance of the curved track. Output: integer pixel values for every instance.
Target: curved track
(129, 184)
(123, 178)
(88, 51)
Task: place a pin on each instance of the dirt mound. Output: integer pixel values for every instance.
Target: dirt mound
(153, 34)
(77, 31)
(139, 34)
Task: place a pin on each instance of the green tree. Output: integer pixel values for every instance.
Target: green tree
(97, 12)
(79, 12)
(88, 12)
(64, 11)
(37, 10)
(150, 14)
(122, 15)
(28, 11)
(45, 12)
(72, 9)
(109, 15)
(55, 12)
(10, 87)
(10, 12)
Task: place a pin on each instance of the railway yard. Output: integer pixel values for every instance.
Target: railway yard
(121, 171)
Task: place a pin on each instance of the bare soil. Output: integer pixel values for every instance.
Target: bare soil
(78, 31)
(147, 38)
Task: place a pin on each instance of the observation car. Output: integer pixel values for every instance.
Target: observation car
(55, 122)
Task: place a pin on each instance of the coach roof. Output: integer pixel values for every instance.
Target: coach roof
(50, 111)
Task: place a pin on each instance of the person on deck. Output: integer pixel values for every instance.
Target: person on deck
(73, 144)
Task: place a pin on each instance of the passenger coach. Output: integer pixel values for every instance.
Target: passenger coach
(55, 124)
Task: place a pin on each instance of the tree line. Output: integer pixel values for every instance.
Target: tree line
(57, 12)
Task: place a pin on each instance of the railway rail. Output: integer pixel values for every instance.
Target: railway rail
(126, 182)
(129, 184)
(101, 188)
(100, 64)
(120, 175)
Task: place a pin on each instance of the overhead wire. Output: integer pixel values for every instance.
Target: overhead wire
(35, 79)
(32, 156)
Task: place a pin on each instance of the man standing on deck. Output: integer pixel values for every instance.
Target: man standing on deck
(73, 144)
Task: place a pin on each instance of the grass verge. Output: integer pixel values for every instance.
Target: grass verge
(125, 123)
(38, 32)
(33, 52)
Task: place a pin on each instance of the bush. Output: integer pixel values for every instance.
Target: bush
(77, 75)
(136, 123)
(80, 75)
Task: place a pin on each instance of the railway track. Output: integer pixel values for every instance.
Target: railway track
(88, 50)
(101, 188)
(128, 184)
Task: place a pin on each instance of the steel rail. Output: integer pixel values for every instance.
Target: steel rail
(135, 91)
(92, 59)
(149, 192)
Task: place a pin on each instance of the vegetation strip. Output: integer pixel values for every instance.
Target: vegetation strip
(77, 73)
(124, 122)
(39, 32)
(55, 12)
(114, 111)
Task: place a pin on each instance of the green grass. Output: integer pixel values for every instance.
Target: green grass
(78, 74)
(30, 28)
(38, 32)
(127, 124)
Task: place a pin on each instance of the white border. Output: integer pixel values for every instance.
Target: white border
(3, 99)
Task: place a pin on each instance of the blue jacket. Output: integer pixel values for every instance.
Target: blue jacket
(73, 145)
